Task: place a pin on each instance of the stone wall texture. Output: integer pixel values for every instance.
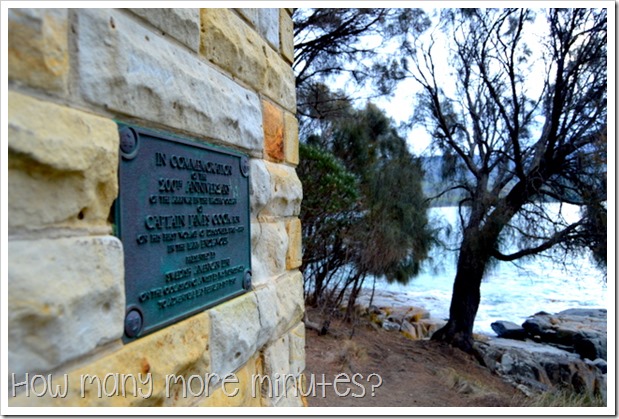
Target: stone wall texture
(221, 76)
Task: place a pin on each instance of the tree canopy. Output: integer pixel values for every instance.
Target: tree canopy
(522, 118)
(364, 212)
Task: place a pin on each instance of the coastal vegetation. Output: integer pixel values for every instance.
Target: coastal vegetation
(517, 115)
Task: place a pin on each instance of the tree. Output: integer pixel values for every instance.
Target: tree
(334, 42)
(365, 215)
(373, 223)
(517, 144)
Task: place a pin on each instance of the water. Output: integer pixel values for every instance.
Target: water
(509, 292)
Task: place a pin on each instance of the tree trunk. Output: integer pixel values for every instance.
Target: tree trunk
(466, 295)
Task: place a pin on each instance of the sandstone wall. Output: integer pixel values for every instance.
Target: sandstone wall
(221, 76)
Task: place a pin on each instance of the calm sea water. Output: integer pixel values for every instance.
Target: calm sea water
(509, 291)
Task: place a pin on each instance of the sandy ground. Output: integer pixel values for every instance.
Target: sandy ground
(344, 371)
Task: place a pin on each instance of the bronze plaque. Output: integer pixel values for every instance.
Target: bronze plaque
(182, 215)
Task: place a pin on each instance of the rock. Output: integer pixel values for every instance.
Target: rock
(390, 326)
(427, 327)
(410, 314)
(409, 330)
(585, 312)
(374, 310)
(590, 346)
(540, 367)
(584, 330)
(599, 364)
(508, 330)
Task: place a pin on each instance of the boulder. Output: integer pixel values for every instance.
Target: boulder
(409, 330)
(540, 367)
(582, 330)
(390, 326)
(508, 330)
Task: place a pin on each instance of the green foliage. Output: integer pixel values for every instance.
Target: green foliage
(330, 188)
(364, 212)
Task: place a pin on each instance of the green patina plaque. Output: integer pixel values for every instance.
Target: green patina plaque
(182, 215)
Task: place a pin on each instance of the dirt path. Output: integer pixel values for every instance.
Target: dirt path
(412, 373)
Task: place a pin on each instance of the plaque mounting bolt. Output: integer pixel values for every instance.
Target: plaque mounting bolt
(247, 280)
(244, 167)
(128, 143)
(133, 323)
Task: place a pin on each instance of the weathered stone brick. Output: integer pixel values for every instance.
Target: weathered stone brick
(66, 298)
(275, 190)
(280, 82)
(62, 165)
(269, 243)
(297, 349)
(231, 45)
(233, 394)
(38, 51)
(259, 186)
(281, 304)
(294, 253)
(273, 124)
(275, 361)
(276, 356)
(291, 138)
(235, 333)
(265, 22)
(181, 24)
(179, 350)
(286, 36)
(128, 69)
(286, 191)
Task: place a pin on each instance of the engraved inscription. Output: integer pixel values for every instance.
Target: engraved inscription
(183, 214)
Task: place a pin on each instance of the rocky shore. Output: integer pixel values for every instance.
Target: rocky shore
(565, 350)
(561, 351)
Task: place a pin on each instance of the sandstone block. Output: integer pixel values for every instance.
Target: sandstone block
(235, 333)
(181, 24)
(286, 191)
(269, 243)
(297, 349)
(265, 22)
(280, 82)
(275, 190)
(66, 298)
(238, 391)
(281, 304)
(38, 51)
(180, 350)
(286, 36)
(276, 366)
(126, 68)
(276, 357)
(62, 165)
(291, 139)
(259, 186)
(231, 45)
(273, 124)
(294, 254)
